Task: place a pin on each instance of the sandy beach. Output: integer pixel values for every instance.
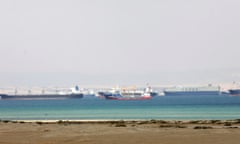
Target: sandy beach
(119, 132)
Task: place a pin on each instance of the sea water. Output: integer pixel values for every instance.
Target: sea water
(220, 107)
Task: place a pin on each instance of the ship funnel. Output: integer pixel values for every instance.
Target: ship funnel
(76, 88)
(148, 89)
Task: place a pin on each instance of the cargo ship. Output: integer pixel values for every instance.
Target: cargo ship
(234, 89)
(128, 94)
(192, 91)
(234, 92)
(72, 93)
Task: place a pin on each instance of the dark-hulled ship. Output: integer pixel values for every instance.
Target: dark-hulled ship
(234, 92)
(73, 93)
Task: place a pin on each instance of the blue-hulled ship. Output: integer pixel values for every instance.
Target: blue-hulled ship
(234, 92)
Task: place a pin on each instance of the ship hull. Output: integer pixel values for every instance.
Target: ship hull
(191, 93)
(234, 92)
(128, 98)
(116, 96)
(40, 97)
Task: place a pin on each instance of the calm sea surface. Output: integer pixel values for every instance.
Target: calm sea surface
(90, 108)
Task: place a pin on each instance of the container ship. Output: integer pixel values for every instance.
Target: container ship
(128, 94)
(72, 93)
(192, 91)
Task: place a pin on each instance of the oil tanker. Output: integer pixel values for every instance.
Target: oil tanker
(73, 93)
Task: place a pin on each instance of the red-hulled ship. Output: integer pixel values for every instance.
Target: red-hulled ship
(128, 94)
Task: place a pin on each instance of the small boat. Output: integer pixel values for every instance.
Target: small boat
(128, 94)
(72, 93)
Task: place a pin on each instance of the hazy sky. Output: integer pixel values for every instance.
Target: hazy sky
(119, 41)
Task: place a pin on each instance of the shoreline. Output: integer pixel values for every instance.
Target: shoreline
(119, 131)
(152, 121)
